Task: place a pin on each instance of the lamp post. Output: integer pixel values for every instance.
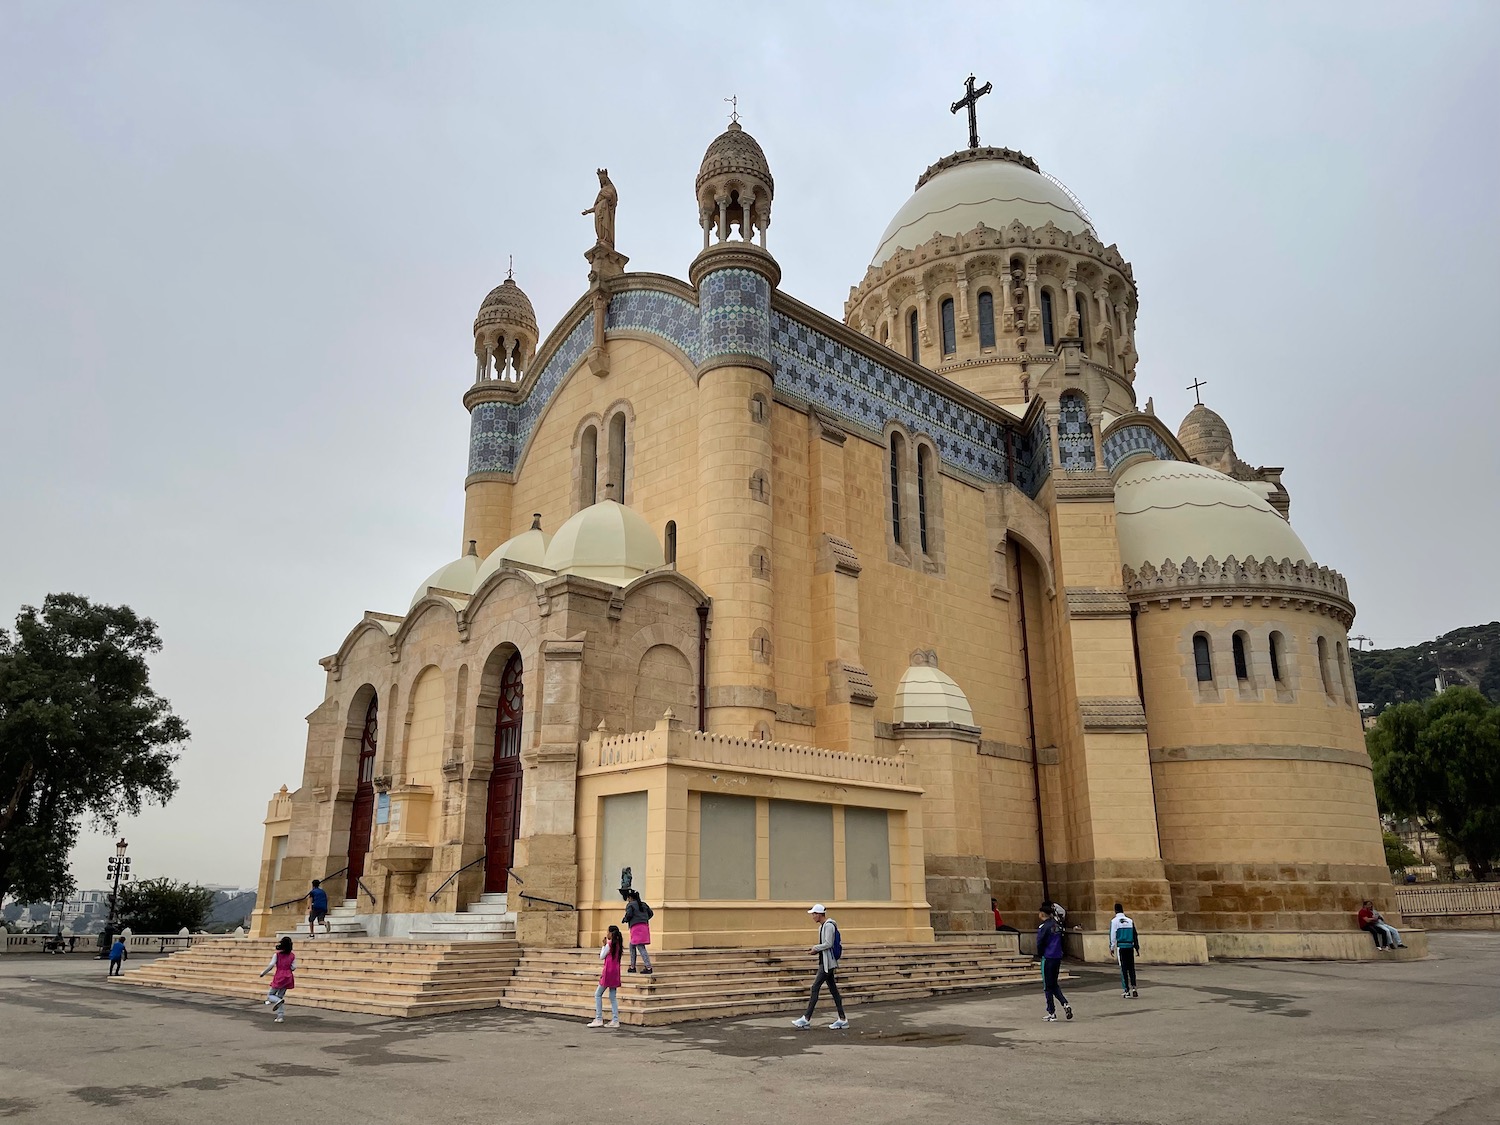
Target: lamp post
(119, 868)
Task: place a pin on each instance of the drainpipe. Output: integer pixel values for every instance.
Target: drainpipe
(1036, 773)
(702, 668)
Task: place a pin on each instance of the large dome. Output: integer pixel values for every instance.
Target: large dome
(993, 186)
(1177, 510)
(607, 542)
(506, 304)
(734, 151)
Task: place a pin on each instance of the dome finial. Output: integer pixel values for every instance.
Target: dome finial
(970, 100)
(536, 521)
(1195, 386)
(734, 109)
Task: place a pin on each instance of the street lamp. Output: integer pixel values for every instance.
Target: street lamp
(119, 868)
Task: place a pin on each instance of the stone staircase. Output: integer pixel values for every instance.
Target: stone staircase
(712, 983)
(379, 977)
(489, 919)
(343, 922)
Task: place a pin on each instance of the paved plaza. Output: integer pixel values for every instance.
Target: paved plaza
(1249, 1042)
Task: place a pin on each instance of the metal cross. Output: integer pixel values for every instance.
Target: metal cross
(1194, 386)
(510, 273)
(734, 109)
(971, 99)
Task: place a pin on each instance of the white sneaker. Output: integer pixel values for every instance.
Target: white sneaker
(279, 1019)
(614, 1023)
(1049, 1018)
(596, 1023)
(838, 1025)
(802, 1021)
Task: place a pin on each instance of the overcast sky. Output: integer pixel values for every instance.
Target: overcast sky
(242, 245)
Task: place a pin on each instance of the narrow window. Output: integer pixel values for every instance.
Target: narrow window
(914, 341)
(671, 542)
(1049, 337)
(986, 319)
(1344, 673)
(1241, 665)
(1276, 643)
(617, 456)
(896, 486)
(1323, 667)
(885, 333)
(588, 467)
(1201, 658)
(950, 334)
(1083, 321)
(923, 465)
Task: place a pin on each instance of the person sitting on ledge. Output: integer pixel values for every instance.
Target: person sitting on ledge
(1373, 923)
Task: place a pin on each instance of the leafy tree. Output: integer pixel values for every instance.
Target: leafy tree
(81, 734)
(161, 906)
(80, 925)
(1398, 857)
(1439, 761)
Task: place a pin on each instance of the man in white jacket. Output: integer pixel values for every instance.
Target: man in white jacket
(828, 964)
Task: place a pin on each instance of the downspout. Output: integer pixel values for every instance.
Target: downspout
(1140, 690)
(1036, 773)
(702, 668)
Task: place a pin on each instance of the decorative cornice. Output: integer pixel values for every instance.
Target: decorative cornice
(970, 155)
(1298, 585)
(1261, 752)
(1075, 487)
(1112, 714)
(1097, 602)
(734, 255)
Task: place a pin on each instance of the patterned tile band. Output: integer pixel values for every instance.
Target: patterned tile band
(1133, 439)
(1038, 454)
(736, 306)
(662, 314)
(1075, 437)
(498, 431)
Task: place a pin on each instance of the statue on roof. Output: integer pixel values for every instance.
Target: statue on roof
(603, 210)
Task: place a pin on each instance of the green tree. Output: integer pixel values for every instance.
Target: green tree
(1439, 761)
(161, 906)
(1398, 857)
(81, 734)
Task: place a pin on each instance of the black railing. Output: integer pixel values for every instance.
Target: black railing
(331, 875)
(366, 889)
(433, 896)
(510, 873)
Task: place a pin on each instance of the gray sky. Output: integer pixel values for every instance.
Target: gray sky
(242, 245)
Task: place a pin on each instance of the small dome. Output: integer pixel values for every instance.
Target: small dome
(1204, 435)
(993, 186)
(460, 576)
(732, 152)
(607, 542)
(926, 694)
(529, 549)
(506, 305)
(1177, 510)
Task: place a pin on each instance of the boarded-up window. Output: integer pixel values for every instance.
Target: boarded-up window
(801, 851)
(867, 855)
(726, 846)
(663, 679)
(622, 835)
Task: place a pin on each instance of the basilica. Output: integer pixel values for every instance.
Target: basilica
(900, 610)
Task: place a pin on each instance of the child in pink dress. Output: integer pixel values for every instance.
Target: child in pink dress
(609, 978)
(283, 965)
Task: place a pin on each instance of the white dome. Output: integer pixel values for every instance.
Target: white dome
(993, 191)
(607, 542)
(1178, 510)
(459, 576)
(529, 549)
(929, 695)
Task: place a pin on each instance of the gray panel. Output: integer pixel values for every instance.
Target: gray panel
(801, 852)
(867, 855)
(622, 832)
(726, 847)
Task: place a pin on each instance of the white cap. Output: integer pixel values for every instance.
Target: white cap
(818, 909)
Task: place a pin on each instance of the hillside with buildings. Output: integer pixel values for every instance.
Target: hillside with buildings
(1470, 655)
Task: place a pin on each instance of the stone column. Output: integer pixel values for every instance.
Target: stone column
(488, 486)
(958, 885)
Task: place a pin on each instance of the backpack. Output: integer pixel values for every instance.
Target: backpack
(838, 943)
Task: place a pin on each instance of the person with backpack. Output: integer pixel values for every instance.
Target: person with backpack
(638, 918)
(1125, 943)
(829, 950)
(1049, 950)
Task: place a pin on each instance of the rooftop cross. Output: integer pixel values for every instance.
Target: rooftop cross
(734, 109)
(971, 99)
(1194, 387)
(510, 273)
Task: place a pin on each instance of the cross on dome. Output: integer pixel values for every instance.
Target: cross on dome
(971, 99)
(734, 109)
(1195, 386)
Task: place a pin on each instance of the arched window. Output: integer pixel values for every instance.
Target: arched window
(1241, 664)
(617, 455)
(924, 466)
(1323, 667)
(503, 811)
(896, 451)
(1083, 320)
(885, 333)
(1344, 673)
(588, 467)
(1202, 659)
(1276, 644)
(1049, 335)
(950, 333)
(671, 538)
(913, 337)
(986, 319)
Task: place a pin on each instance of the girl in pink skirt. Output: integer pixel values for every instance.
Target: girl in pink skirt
(283, 965)
(609, 978)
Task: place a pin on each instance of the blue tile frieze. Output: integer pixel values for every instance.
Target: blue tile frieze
(498, 431)
(1134, 439)
(736, 314)
(662, 314)
(1075, 437)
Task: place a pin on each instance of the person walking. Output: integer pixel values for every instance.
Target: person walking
(317, 909)
(1049, 949)
(638, 919)
(829, 949)
(283, 965)
(609, 978)
(117, 955)
(1125, 943)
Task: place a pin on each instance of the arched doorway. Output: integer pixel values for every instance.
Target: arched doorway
(363, 817)
(503, 816)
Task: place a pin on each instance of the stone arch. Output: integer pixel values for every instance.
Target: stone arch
(422, 741)
(347, 766)
(619, 431)
(586, 441)
(663, 678)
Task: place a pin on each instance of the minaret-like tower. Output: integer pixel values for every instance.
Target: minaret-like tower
(505, 341)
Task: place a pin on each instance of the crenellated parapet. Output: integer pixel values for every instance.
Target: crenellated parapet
(1286, 584)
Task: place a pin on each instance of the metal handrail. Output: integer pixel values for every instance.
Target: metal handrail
(510, 873)
(366, 889)
(548, 901)
(433, 896)
(299, 898)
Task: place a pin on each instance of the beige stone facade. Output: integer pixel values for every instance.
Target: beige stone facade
(901, 613)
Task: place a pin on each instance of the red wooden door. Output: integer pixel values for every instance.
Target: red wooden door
(503, 817)
(363, 817)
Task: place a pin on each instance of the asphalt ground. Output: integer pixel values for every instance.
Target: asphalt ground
(1256, 1042)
